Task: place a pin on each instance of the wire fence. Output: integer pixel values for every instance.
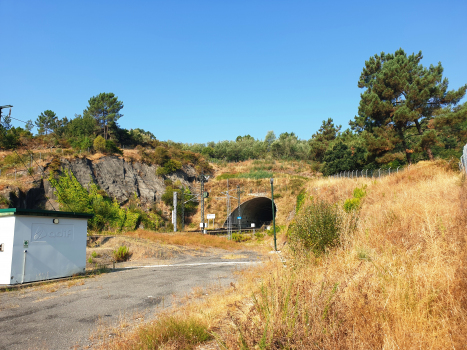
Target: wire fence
(463, 160)
(368, 173)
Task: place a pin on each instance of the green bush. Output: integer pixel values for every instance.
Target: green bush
(316, 228)
(359, 192)
(121, 254)
(351, 204)
(238, 237)
(108, 214)
(99, 144)
(259, 235)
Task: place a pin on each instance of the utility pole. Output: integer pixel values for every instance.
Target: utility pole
(202, 200)
(273, 213)
(239, 209)
(174, 213)
(1, 107)
(183, 207)
(229, 219)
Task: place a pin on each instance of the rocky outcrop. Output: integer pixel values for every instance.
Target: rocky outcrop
(121, 179)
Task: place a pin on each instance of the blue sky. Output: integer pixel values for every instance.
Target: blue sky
(197, 71)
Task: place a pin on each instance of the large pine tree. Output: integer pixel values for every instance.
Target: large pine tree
(400, 98)
(105, 108)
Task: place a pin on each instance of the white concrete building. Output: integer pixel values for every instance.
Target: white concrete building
(38, 245)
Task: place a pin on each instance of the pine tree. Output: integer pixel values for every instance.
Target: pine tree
(320, 141)
(105, 108)
(400, 99)
(45, 122)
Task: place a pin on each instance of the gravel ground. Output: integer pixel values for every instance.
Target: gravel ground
(65, 315)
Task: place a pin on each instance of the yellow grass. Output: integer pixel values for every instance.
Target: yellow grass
(398, 280)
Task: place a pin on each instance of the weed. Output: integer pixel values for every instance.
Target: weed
(351, 204)
(175, 331)
(259, 235)
(300, 200)
(94, 254)
(122, 253)
(90, 260)
(316, 228)
(238, 237)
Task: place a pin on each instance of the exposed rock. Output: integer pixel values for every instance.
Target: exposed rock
(121, 179)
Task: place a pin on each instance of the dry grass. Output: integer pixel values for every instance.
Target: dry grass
(398, 281)
(195, 240)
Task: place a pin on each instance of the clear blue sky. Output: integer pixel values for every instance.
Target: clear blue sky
(196, 71)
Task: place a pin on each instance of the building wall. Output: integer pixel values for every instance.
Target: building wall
(53, 250)
(7, 228)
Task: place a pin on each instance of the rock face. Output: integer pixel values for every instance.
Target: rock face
(121, 179)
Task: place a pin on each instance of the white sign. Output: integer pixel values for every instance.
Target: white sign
(253, 225)
(211, 216)
(201, 225)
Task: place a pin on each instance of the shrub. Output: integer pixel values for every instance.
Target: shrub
(316, 228)
(359, 192)
(99, 144)
(111, 148)
(259, 235)
(351, 204)
(270, 232)
(122, 253)
(238, 237)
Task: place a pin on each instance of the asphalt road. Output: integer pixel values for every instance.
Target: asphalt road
(41, 318)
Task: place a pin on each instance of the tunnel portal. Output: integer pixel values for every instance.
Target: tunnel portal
(256, 211)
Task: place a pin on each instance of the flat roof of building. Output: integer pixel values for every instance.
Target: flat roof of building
(53, 213)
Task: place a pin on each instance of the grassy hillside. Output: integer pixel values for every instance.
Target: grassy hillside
(397, 278)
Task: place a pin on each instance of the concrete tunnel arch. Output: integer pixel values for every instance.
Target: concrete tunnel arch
(257, 210)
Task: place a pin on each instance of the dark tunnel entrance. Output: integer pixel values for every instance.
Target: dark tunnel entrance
(256, 211)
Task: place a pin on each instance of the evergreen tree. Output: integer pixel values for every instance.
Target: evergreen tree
(45, 122)
(400, 99)
(320, 141)
(105, 108)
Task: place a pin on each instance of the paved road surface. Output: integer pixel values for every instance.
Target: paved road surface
(38, 318)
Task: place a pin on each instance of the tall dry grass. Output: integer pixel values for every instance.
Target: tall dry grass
(398, 281)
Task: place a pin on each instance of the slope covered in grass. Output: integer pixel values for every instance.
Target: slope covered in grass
(397, 281)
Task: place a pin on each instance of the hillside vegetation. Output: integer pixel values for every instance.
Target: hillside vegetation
(395, 276)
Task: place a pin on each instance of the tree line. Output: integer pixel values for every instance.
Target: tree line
(406, 114)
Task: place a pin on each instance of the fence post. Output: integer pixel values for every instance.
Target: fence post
(389, 170)
(379, 172)
(397, 171)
